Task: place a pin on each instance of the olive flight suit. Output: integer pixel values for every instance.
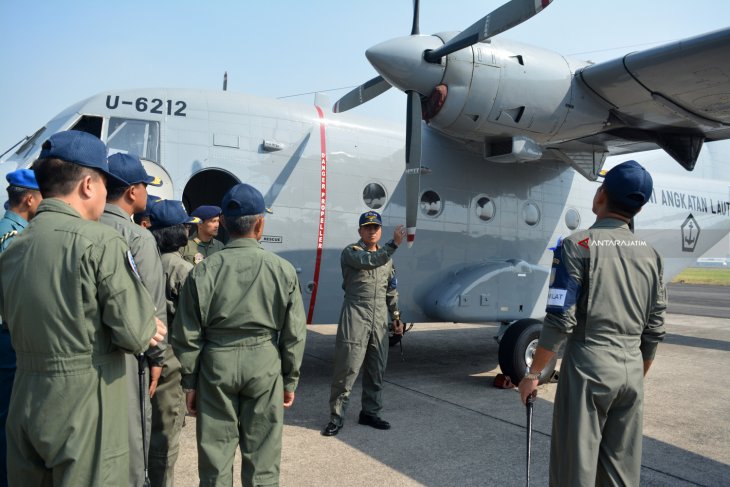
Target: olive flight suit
(163, 411)
(196, 250)
(607, 300)
(176, 271)
(170, 411)
(368, 279)
(239, 332)
(10, 226)
(74, 304)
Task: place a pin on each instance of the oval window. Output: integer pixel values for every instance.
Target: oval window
(431, 203)
(572, 218)
(531, 213)
(485, 208)
(374, 196)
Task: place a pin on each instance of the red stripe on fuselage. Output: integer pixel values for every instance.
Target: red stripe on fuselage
(322, 209)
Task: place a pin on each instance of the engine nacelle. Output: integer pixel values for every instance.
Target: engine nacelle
(499, 90)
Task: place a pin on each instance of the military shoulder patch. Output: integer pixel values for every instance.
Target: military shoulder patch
(133, 264)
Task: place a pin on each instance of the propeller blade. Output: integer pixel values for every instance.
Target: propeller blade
(505, 17)
(416, 9)
(363, 93)
(413, 163)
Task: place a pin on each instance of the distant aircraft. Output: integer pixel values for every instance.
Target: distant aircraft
(503, 165)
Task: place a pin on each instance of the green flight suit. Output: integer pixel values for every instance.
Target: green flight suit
(163, 419)
(196, 250)
(607, 302)
(368, 279)
(147, 258)
(74, 304)
(239, 332)
(169, 401)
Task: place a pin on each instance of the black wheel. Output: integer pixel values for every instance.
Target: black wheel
(517, 348)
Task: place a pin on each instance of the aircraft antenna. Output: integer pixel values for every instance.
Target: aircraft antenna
(225, 81)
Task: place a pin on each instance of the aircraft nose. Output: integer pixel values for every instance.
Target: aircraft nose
(400, 61)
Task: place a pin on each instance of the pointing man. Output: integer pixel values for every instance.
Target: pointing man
(608, 307)
(68, 414)
(368, 278)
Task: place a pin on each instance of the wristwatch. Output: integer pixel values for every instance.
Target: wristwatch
(532, 375)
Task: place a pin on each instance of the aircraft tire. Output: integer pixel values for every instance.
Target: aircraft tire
(516, 343)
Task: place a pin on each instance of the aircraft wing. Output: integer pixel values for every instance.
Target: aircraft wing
(674, 96)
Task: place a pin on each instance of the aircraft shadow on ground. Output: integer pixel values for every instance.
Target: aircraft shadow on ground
(449, 423)
(698, 342)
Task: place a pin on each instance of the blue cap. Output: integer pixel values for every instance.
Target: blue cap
(151, 200)
(22, 178)
(629, 185)
(206, 212)
(370, 218)
(79, 148)
(167, 213)
(129, 169)
(243, 200)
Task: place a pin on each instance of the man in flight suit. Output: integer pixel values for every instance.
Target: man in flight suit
(23, 200)
(165, 413)
(606, 301)
(368, 278)
(68, 413)
(239, 333)
(204, 244)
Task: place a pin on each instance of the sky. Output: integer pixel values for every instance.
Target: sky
(53, 54)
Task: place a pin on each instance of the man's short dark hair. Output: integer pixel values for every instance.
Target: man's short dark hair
(57, 177)
(170, 239)
(618, 208)
(16, 195)
(115, 192)
(240, 225)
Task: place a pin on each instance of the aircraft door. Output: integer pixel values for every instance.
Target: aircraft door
(207, 187)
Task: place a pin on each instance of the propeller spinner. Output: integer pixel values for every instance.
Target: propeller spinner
(413, 65)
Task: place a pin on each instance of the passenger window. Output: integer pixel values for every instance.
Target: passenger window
(140, 137)
(431, 203)
(485, 208)
(374, 196)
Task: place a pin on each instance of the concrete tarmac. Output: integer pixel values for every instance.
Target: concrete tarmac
(452, 428)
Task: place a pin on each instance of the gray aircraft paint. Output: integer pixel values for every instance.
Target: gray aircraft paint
(462, 268)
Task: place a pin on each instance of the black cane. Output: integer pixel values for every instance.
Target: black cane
(142, 361)
(529, 403)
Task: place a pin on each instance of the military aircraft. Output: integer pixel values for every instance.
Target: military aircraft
(503, 151)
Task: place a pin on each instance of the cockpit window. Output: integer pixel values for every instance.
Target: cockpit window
(30, 142)
(89, 124)
(140, 137)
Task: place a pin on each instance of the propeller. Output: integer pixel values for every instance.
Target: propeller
(413, 65)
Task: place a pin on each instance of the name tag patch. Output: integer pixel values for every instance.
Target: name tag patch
(556, 297)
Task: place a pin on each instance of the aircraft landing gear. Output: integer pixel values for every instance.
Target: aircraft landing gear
(517, 347)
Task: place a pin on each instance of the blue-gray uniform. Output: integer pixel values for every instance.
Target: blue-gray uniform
(606, 302)
(10, 226)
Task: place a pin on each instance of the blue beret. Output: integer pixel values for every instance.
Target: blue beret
(243, 200)
(629, 185)
(129, 169)
(79, 148)
(22, 178)
(168, 213)
(370, 218)
(206, 211)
